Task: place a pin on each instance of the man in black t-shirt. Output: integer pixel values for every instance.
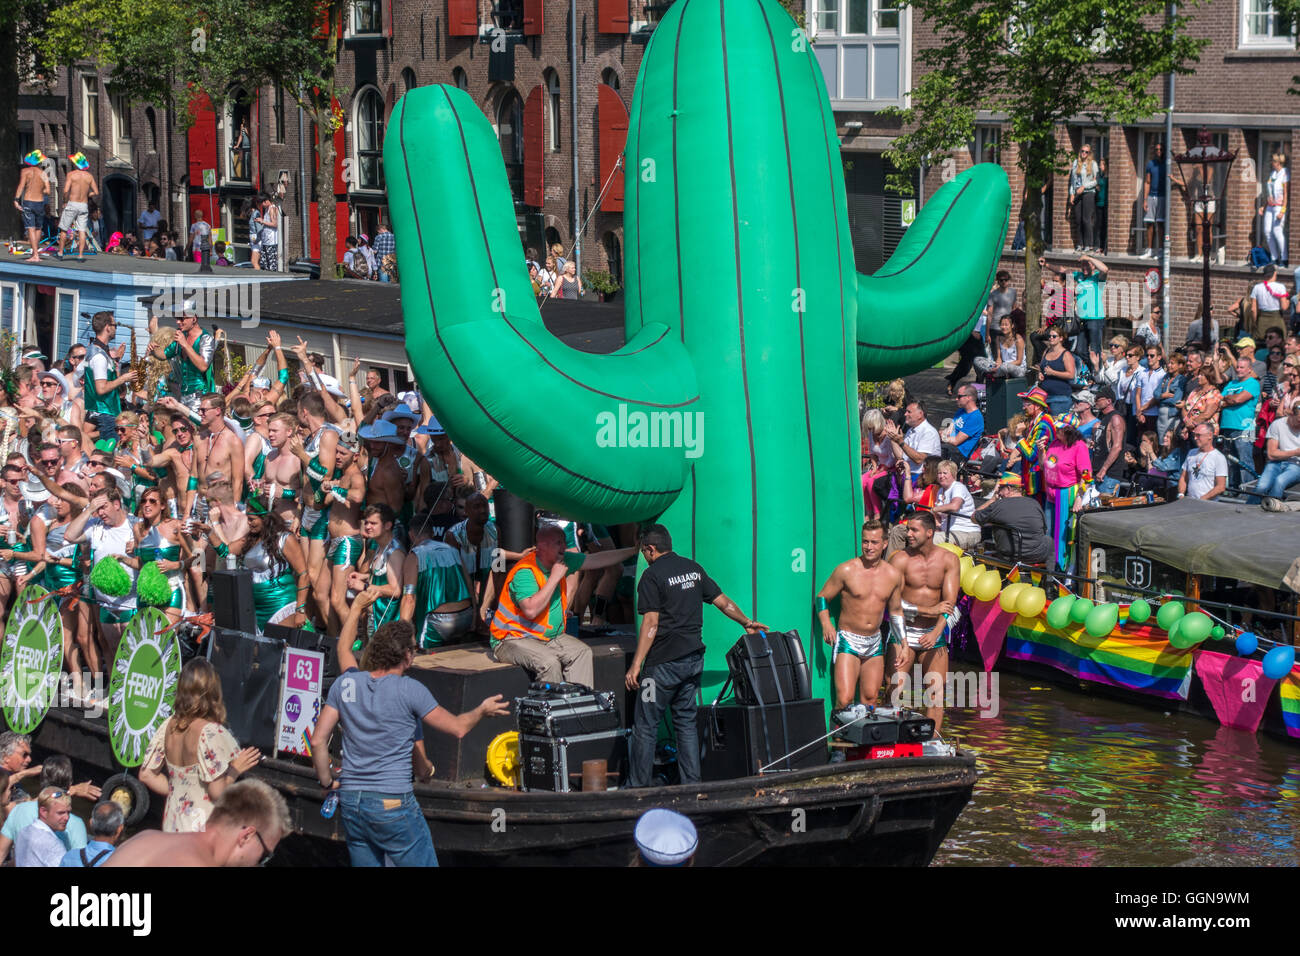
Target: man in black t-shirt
(670, 654)
(1011, 509)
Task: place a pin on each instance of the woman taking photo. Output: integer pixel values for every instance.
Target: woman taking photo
(1056, 373)
(193, 758)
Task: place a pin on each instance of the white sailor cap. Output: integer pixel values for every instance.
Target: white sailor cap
(666, 838)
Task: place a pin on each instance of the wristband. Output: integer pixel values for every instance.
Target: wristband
(339, 494)
(192, 484)
(819, 603)
(283, 376)
(222, 550)
(288, 494)
(408, 588)
(314, 471)
(900, 628)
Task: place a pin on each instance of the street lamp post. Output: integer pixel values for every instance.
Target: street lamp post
(1209, 158)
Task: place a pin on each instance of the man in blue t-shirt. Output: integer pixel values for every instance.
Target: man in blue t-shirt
(967, 425)
(106, 826)
(1237, 419)
(381, 711)
(1153, 202)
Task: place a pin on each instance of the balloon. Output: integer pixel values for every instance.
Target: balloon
(968, 578)
(966, 562)
(987, 585)
(1139, 611)
(949, 546)
(1032, 601)
(1178, 636)
(1195, 627)
(1279, 661)
(1169, 612)
(1218, 633)
(1247, 643)
(1079, 610)
(1101, 620)
(1009, 599)
(1058, 615)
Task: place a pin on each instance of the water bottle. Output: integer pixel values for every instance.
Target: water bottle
(330, 805)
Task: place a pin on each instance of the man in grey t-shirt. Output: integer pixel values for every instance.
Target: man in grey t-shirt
(381, 711)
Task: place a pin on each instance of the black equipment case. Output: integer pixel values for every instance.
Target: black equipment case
(562, 716)
(737, 740)
(555, 763)
(767, 668)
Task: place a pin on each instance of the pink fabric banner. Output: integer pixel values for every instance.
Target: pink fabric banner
(1225, 679)
(990, 624)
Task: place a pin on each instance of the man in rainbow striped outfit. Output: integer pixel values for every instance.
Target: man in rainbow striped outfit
(1040, 432)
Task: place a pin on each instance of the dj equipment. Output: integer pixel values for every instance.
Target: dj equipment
(1003, 404)
(249, 668)
(232, 600)
(555, 763)
(887, 726)
(566, 715)
(736, 740)
(768, 668)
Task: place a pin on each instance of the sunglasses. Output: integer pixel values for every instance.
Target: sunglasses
(267, 853)
(47, 462)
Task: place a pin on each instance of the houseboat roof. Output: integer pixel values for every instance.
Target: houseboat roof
(1223, 539)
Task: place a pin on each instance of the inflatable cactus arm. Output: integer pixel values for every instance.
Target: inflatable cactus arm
(514, 398)
(744, 311)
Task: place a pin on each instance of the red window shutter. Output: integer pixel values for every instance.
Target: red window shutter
(340, 151)
(209, 205)
(532, 18)
(462, 18)
(313, 234)
(388, 17)
(534, 151)
(202, 140)
(342, 228)
(612, 16)
(611, 116)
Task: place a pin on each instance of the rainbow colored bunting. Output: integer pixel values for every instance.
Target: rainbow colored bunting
(1137, 658)
(1290, 691)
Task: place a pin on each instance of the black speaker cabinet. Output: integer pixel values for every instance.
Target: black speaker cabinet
(516, 519)
(1001, 403)
(249, 668)
(736, 740)
(232, 600)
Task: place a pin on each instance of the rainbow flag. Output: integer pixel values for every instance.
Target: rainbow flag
(1137, 658)
(1290, 691)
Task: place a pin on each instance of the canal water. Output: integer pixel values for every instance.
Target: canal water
(1073, 780)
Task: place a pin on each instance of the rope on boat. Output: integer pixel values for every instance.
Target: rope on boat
(819, 740)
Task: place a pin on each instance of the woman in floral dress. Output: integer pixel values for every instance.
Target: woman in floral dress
(193, 757)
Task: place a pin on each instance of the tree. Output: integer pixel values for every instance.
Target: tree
(21, 23)
(159, 47)
(1040, 63)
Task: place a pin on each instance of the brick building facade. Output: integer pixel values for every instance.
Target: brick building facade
(1238, 92)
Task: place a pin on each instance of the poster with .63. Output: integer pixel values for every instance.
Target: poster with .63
(299, 700)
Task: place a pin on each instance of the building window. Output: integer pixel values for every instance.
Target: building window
(121, 126)
(90, 104)
(553, 111)
(277, 112)
(367, 17)
(987, 147)
(370, 140)
(408, 80)
(508, 15)
(151, 122)
(510, 133)
(460, 79)
(1262, 25)
(862, 49)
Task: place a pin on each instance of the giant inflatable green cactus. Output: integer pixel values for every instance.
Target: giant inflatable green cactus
(731, 414)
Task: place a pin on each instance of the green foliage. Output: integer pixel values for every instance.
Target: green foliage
(874, 394)
(1039, 63)
(598, 280)
(110, 577)
(152, 587)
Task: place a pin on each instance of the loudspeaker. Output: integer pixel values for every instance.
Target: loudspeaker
(231, 597)
(1002, 404)
(516, 519)
(737, 739)
(769, 668)
(249, 668)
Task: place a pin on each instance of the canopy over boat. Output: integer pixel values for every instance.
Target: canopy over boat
(1206, 537)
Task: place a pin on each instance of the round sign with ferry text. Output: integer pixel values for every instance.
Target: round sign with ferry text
(31, 660)
(143, 685)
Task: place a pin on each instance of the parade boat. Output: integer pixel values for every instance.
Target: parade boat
(859, 812)
(1120, 627)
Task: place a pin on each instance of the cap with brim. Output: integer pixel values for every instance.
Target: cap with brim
(1246, 342)
(380, 431)
(665, 838)
(1009, 478)
(106, 446)
(33, 490)
(34, 158)
(1086, 395)
(400, 412)
(410, 399)
(79, 160)
(434, 427)
(256, 506)
(1035, 395)
(261, 383)
(335, 391)
(36, 354)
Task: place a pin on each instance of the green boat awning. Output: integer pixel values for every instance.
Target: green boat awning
(1226, 540)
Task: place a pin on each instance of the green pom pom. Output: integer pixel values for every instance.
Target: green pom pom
(109, 577)
(152, 587)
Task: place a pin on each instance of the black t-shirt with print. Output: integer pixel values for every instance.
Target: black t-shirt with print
(677, 588)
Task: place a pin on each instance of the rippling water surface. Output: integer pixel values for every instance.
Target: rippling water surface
(1069, 779)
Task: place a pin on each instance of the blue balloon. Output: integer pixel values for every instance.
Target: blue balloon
(1279, 661)
(1246, 643)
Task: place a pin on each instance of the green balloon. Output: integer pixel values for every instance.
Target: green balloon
(1169, 612)
(1218, 633)
(1139, 611)
(1058, 613)
(1101, 620)
(1178, 635)
(1195, 627)
(1080, 610)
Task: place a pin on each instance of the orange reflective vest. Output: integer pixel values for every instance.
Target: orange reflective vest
(508, 621)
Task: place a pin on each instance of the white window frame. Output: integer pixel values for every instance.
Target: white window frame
(986, 134)
(121, 120)
(226, 162)
(554, 113)
(356, 139)
(87, 111)
(354, 9)
(14, 292)
(1264, 160)
(899, 37)
(57, 348)
(1246, 41)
